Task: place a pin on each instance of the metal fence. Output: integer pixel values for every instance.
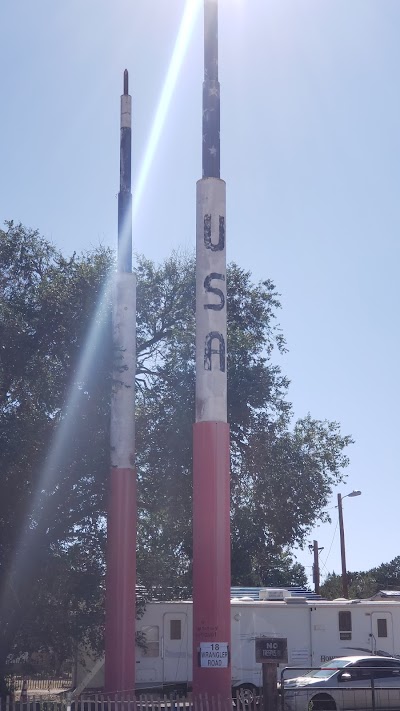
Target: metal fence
(129, 702)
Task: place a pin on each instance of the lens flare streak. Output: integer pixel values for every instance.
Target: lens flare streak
(181, 45)
(47, 482)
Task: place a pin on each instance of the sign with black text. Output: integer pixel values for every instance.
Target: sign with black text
(214, 655)
(272, 650)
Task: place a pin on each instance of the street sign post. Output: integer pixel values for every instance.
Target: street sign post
(270, 651)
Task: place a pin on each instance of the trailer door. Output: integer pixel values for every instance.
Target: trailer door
(175, 647)
(382, 633)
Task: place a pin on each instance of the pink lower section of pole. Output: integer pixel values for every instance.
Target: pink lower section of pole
(121, 583)
(211, 554)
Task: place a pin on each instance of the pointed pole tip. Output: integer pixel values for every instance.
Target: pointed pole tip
(126, 81)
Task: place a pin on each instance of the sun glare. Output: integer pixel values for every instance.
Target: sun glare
(181, 45)
(66, 428)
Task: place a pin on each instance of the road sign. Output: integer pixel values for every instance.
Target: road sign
(271, 649)
(214, 655)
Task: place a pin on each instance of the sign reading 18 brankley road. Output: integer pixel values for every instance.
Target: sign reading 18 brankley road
(271, 650)
(214, 654)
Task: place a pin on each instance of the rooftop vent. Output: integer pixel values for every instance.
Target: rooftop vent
(295, 599)
(273, 594)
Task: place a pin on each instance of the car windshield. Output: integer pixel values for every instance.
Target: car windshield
(328, 668)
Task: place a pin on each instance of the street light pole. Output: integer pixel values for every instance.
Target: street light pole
(345, 586)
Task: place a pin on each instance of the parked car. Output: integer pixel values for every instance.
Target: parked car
(346, 683)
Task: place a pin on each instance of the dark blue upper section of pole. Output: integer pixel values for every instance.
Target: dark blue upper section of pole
(125, 194)
(211, 94)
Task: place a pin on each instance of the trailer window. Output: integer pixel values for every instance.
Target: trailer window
(175, 631)
(152, 641)
(382, 627)
(345, 625)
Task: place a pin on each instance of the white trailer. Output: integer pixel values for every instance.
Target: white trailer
(316, 631)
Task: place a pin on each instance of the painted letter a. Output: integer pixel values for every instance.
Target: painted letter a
(209, 351)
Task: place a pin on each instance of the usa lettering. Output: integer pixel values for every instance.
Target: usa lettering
(214, 342)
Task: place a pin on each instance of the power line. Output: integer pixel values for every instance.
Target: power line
(330, 547)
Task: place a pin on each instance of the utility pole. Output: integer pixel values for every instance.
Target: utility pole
(316, 574)
(211, 474)
(121, 521)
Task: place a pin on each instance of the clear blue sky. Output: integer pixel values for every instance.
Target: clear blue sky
(311, 156)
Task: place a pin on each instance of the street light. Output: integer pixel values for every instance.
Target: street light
(345, 587)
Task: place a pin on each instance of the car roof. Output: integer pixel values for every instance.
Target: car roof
(356, 658)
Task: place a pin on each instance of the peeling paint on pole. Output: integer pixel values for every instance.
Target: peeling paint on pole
(124, 365)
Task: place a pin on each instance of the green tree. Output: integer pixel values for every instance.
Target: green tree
(54, 435)
(364, 584)
(332, 587)
(51, 502)
(387, 575)
(282, 472)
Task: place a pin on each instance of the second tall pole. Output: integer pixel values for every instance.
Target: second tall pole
(121, 520)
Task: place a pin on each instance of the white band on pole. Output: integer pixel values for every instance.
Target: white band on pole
(126, 111)
(124, 369)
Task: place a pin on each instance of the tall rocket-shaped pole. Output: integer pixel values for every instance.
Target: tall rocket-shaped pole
(211, 476)
(121, 524)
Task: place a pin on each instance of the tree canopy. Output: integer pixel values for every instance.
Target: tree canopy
(55, 365)
(282, 473)
(364, 584)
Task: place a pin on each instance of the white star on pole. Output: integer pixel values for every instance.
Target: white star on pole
(213, 151)
(213, 91)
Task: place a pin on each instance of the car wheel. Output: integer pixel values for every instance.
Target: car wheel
(322, 702)
(245, 693)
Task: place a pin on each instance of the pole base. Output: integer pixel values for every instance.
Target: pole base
(211, 560)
